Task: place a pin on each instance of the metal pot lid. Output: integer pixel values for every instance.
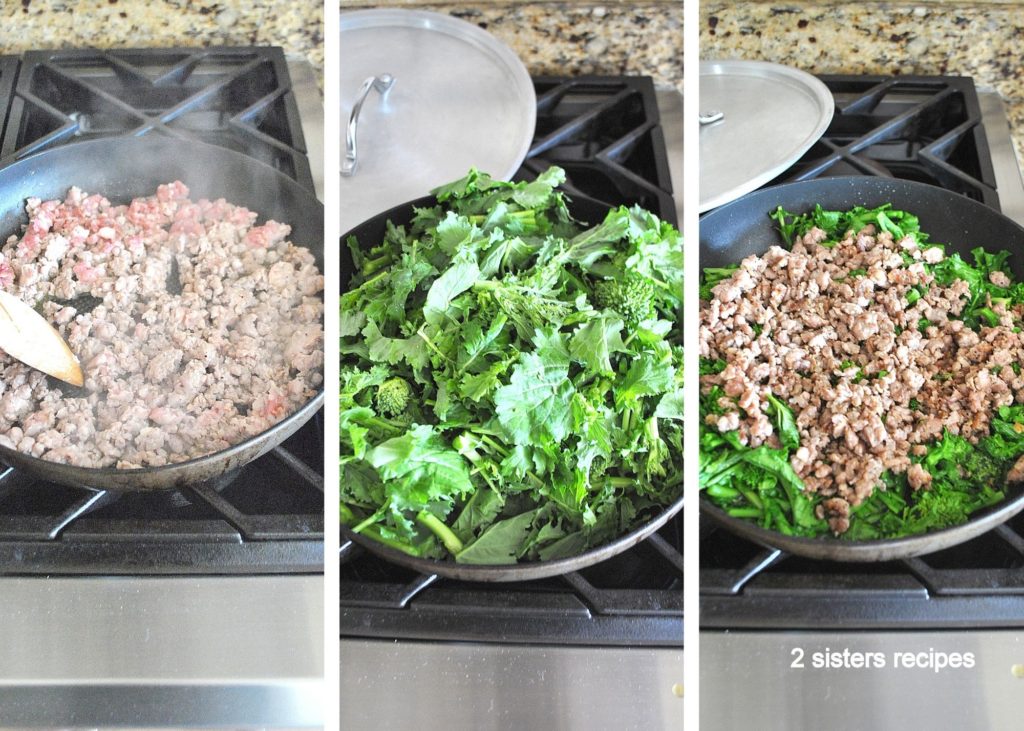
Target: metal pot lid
(770, 116)
(459, 99)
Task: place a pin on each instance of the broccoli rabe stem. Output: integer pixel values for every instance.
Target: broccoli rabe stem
(466, 445)
(527, 218)
(374, 533)
(493, 445)
(431, 345)
(439, 529)
(617, 481)
(367, 522)
(627, 419)
(382, 424)
(372, 265)
(367, 528)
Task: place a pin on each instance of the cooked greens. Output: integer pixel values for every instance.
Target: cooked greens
(511, 382)
(759, 483)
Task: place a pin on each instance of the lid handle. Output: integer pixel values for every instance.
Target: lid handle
(382, 84)
(710, 117)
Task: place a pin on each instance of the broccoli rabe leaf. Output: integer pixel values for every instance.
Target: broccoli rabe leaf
(594, 343)
(420, 470)
(536, 403)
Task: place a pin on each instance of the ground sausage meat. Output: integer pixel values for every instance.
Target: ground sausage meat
(196, 328)
(862, 343)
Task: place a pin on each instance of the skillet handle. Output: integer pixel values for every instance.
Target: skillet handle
(382, 84)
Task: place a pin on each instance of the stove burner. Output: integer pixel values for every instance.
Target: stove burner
(930, 130)
(926, 129)
(239, 98)
(266, 517)
(605, 133)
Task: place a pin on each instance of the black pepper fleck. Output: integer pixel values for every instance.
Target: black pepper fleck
(803, 23)
(25, 4)
(123, 14)
(712, 22)
(812, 39)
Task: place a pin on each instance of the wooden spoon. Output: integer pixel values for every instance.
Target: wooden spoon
(25, 335)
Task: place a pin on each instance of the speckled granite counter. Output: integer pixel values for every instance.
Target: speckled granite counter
(578, 38)
(982, 40)
(295, 25)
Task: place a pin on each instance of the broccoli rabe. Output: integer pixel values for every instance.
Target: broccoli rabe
(393, 396)
(495, 407)
(633, 298)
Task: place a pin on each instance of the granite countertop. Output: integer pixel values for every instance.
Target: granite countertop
(295, 25)
(572, 38)
(982, 40)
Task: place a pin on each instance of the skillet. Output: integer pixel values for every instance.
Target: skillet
(123, 168)
(371, 233)
(743, 227)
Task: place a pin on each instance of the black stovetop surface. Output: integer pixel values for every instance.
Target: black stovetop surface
(926, 129)
(268, 516)
(605, 132)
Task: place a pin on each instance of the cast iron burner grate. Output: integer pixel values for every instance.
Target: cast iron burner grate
(268, 516)
(8, 75)
(921, 128)
(633, 599)
(927, 129)
(265, 518)
(239, 98)
(605, 132)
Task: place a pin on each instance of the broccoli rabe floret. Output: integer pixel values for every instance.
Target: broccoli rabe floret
(633, 298)
(393, 396)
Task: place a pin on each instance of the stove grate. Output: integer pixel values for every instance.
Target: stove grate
(919, 128)
(605, 132)
(239, 98)
(270, 509)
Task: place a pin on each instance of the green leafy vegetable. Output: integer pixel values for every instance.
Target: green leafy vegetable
(511, 380)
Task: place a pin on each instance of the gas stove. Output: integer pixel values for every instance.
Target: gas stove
(465, 654)
(201, 605)
(765, 613)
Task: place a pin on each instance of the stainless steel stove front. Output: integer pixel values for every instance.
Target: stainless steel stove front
(758, 666)
(401, 685)
(157, 652)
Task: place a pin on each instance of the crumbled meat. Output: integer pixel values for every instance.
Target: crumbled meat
(831, 331)
(1016, 473)
(918, 477)
(209, 329)
(999, 279)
